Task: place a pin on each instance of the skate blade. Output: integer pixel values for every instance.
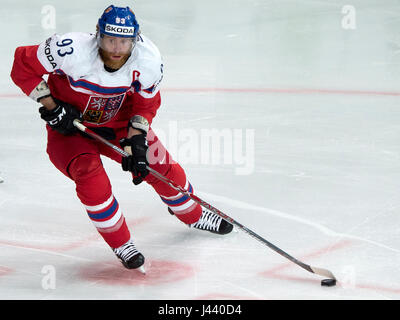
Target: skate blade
(142, 269)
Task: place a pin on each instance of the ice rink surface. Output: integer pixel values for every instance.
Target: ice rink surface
(314, 167)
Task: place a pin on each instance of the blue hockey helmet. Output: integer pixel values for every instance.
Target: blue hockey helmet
(118, 22)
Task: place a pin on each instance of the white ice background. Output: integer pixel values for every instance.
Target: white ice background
(324, 178)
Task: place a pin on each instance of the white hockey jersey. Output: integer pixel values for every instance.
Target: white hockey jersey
(76, 55)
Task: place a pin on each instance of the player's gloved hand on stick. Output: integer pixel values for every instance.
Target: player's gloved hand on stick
(137, 162)
(61, 117)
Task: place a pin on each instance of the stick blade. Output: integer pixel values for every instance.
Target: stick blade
(323, 272)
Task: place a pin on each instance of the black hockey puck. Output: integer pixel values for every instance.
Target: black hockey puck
(328, 282)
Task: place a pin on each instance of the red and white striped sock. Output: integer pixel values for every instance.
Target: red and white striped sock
(184, 208)
(109, 222)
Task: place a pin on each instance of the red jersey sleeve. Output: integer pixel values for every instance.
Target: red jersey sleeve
(27, 72)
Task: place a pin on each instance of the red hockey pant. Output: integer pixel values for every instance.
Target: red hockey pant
(78, 158)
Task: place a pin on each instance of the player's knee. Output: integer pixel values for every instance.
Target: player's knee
(85, 166)
(173, 172)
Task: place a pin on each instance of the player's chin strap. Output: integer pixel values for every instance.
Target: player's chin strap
(319, 271)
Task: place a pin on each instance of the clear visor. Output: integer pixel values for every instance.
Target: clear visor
(116, 45)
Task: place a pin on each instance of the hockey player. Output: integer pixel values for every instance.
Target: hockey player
(110, 81)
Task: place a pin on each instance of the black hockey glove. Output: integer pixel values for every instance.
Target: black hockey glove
(61, 117)
(137, 162)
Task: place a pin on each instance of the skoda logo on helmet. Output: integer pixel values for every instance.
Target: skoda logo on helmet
(118, 30)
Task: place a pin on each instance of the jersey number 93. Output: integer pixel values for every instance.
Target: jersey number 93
(65, 46)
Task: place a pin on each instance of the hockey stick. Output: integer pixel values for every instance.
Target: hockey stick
(319, 271)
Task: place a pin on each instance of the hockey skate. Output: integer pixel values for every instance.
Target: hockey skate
(210, 221)
(130, 257)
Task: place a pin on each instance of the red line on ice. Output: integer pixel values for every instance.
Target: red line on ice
(286, 90)
(4, 271)
(319, 252)
(259, 90)
(69, 246)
